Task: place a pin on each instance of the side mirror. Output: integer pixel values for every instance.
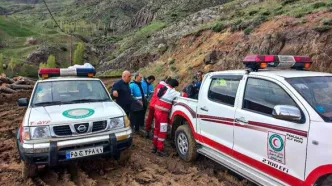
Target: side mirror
(287, 112)
(23, 102)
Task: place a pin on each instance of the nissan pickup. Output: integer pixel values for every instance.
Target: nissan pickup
(70, 115)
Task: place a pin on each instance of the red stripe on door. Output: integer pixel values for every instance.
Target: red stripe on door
(252, 162)
(219, 121)
(280, 128)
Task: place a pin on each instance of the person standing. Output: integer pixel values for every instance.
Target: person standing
(122, 94)
(138, 113)
(148, 86)
(198, 83)
(153, 100)
(162, 107)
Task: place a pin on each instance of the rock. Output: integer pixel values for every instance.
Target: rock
(31, 41)
(37, 56)
(162, 48)
(210, 58)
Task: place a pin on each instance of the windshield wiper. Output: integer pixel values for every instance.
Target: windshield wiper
(87, 100)
(48, 103)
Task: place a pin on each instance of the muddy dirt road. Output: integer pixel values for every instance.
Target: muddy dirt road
(143, 168)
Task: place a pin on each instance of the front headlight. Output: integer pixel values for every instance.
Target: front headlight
(127, 122)
(40, 132)
(116, 123)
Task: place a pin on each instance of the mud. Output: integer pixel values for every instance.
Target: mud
(143, 168)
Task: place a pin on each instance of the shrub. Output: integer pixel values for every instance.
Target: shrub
(12, 64)
(248, 30)
(285, 2)
(253, 12)
(79, 54)
(321, 29)
(327, 22)
(173, 68)
(51, 61)
(266, 13)
(318, 5)
(171, 61)
(1, 63)
(217, 27)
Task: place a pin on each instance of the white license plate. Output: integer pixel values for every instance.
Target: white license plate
(84, 152)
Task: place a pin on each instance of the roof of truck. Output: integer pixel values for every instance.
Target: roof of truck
(273, 73)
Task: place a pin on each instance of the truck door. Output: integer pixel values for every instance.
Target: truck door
(216, 109)
(277, 147)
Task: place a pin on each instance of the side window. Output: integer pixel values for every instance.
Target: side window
(262, 95)
(223, 90)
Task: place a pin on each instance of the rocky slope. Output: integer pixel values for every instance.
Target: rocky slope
(222, 51)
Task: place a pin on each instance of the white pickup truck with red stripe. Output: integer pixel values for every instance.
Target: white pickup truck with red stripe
(273, 127)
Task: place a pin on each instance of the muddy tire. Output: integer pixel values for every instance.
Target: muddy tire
(327, 181)
(124, 156)
(185, 143)
(29, 170)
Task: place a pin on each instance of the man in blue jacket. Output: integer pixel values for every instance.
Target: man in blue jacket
(138, 113)
(148, 86)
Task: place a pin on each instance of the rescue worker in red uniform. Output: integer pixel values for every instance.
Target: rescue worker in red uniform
(162, 108)
(153, 100)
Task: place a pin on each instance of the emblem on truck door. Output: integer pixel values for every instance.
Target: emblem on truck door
(276, 147)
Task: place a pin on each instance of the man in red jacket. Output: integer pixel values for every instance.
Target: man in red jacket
(162, 108)
(153, 100)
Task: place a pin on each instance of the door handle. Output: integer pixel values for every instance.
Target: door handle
(241, 120)
(204, 109)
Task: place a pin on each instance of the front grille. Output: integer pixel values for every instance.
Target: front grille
(81, 128)
(99, 125)
(62, 130)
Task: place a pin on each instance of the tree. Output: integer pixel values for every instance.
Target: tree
(1, 63)
(79, 54)
(12, 64)
(42, 65)
(51, 61)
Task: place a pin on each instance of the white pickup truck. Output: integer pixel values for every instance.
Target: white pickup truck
(70, 116)
(273, 127)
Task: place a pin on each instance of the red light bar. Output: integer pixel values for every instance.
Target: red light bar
(302, 59)
(256, 62)
(56, 72)
(49, 71)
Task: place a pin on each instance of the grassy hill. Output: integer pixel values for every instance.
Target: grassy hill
(125, 34)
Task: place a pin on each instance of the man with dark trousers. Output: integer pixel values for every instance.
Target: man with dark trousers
(122, 94)
(137, 115)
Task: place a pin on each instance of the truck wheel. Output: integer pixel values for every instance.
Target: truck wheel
(29, 170)
(124, 156)
(185, 143)
(327, 181)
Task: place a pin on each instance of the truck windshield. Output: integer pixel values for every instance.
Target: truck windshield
(318, 93)
(69, 92)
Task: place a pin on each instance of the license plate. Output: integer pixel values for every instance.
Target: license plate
(84, 152)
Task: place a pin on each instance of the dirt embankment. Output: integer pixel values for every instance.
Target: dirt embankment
(143, 168)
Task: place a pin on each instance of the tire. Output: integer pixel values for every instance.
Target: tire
(124, 156)
(327, 181)
(185, 143)
(29, 170)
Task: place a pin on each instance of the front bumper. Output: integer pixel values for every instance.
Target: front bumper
(54, 152)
